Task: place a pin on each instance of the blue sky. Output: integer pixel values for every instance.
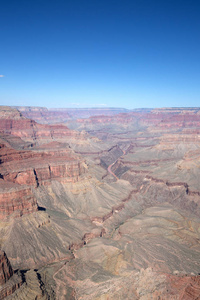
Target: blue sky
(93, 53)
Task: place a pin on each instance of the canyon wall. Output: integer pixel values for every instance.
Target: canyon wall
(114, 215)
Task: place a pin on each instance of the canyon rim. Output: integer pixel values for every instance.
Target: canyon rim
(99, 203)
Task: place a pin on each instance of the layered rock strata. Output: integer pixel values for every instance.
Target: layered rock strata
(12, 122)
(128, 232)
(36, 167)
(16, 199)
(9, 282)
(6, 270)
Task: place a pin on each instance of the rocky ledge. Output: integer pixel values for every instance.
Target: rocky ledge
(9, 282)
(16, 199)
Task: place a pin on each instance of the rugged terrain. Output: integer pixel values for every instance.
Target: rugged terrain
(100, 204)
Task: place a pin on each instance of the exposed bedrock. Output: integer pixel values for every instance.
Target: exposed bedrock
(69, 171)
(30, 130)
(9, 282)
(32, 288)
(111, 156)
(16, 199)
(6, 270)
(135, 236)
(12, 122)
(20, 285)
(36, 167)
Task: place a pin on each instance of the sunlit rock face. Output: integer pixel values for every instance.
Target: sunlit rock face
(37, 167)
(100, 207)
(16, 200)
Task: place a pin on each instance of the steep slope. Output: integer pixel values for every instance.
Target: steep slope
(49, 193)
(117, 213)
(9, 282)
(12, 122)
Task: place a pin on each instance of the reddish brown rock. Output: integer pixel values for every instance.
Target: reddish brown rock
(183, 287)
(9, 282)
(16, 199)
(12, 122)
(6, 270)
(34, 167)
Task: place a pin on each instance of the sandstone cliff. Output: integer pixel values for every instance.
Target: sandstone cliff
(15, 199)
(12, 122)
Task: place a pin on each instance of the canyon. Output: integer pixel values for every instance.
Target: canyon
(99, 203)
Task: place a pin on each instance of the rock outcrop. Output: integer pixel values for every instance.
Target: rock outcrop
(16, 199)
(118, 213)
(12, 122)
(9, 282)
(6, 270)
(36, 167)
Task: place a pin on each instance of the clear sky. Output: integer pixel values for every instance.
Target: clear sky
(88, 53)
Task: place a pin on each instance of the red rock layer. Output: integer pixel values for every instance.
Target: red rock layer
(6, 270)
(161, 118)
(30, 130)
(184, 287)
(34, 167)
(9, 282)
(16, 199)
(181, 121)
(12, 122)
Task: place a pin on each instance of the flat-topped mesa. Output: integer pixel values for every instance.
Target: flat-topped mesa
(16, 199)
(6, 270)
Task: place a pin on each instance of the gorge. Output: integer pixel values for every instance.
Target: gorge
(99, 203)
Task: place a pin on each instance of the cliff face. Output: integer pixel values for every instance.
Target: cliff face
(16, 199)
(6, 270)
(126, 228)
(9, 282)
(12, 122)
(31, 131)
(22, 169)
(36, 167)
